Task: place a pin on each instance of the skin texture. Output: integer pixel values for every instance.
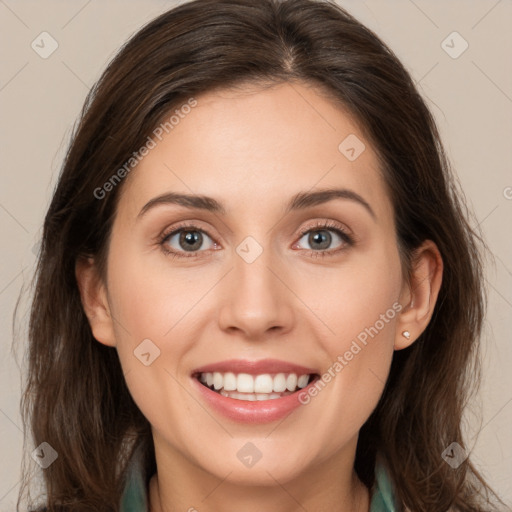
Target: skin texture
(253, 149)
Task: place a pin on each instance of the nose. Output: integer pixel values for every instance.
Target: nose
(256, 301)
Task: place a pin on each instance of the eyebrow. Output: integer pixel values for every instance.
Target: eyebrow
(300, 201)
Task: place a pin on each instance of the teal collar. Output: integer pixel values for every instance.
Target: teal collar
(135, 499)
(384, 497)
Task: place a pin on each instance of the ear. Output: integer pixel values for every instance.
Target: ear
(419, 294)
(94, 298)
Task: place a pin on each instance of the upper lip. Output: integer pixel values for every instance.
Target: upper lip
(258, 367)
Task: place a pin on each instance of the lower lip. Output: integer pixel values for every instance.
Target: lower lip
(244, 411)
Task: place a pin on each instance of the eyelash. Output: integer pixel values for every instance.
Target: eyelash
(320, 226)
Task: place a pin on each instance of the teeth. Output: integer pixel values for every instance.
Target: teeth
(229, 382)
(245, 383)
(252, 397)
(218, 380)
(291, 382)
(280, 383)
(264, 385)
(302, 382)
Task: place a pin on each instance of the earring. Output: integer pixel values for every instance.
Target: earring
(406, 334)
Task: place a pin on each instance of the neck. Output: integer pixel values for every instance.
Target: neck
(177, 485)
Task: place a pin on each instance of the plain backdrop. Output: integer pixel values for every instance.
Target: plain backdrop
(469, 91)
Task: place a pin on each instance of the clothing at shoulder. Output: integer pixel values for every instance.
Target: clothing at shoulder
(383, 492)
(135, 498)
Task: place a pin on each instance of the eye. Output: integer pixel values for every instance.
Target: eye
(186, 239)
(320, 237)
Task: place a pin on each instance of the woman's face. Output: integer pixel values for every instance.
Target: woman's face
(266, 282)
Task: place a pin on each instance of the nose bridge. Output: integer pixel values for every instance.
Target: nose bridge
(257, 300)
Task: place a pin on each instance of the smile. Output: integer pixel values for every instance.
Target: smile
(243, 386)
(253, 391)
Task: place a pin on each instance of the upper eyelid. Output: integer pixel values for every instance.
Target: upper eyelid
(166, 233)
(328, 225)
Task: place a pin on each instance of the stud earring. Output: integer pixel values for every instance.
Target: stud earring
(406, 334)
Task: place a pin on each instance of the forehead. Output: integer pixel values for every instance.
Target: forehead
(253, 148)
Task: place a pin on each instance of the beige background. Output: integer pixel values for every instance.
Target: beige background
(470, 96)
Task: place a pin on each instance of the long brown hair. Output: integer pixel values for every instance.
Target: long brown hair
(76, 398)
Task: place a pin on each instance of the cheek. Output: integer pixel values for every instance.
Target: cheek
(149, 310)
(357, 299)
(144, 309)
(359, 357)
(148, 300)
(359, 305)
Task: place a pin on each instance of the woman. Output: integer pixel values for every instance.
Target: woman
(190, 347)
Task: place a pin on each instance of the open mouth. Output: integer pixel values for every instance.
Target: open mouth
(244, 386)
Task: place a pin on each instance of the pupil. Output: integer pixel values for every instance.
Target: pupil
(320, 236)
(193, 240)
